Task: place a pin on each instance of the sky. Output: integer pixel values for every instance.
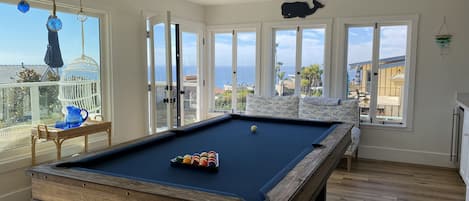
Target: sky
(23, 36)
(393, 41)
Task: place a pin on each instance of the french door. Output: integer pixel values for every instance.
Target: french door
(173, 73)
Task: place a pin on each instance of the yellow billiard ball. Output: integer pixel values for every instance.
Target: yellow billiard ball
(253, 128)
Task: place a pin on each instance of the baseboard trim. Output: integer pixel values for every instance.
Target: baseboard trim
(22, 192)
(406, 156)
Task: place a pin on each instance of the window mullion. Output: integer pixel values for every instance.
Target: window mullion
(375, 72)
(234, 67)
(299, 49)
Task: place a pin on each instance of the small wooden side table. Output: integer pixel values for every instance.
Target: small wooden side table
(58, 136)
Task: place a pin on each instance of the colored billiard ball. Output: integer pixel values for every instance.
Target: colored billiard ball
(203, 162)
(212, 164)
(187, 161)
(179, 159)
(253, 128)
(204, 154)
(195, 161)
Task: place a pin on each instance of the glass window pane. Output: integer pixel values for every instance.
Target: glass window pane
(312, 64)
(246, 70)
(189, 76)
(223, 71)
(161, 75)
(360, 50)
(391, 73)
(30, 91)
(285, 62)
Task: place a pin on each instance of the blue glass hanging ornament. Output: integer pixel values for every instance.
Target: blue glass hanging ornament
(23, 6)
(53, 22)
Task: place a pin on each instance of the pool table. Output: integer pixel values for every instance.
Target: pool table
(284, 159)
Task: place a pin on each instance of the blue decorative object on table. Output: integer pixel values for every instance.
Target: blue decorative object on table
(60, 124)
(75, 116)
(23, 6)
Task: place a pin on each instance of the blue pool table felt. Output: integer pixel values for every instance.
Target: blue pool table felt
(250, 163)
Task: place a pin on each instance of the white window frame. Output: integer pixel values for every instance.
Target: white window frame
(234, 29)
(412, 21)
(21, 156)
(269, 29)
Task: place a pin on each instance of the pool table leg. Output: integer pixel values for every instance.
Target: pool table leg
(322, 194)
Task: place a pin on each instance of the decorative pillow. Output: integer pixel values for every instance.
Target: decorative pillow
(277, 106)
(347, 111)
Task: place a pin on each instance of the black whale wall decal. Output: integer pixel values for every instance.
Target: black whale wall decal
(299, 9)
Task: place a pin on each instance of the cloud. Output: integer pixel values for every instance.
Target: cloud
(360, 52)
(393, 41)
(313, 45)
(246, 36)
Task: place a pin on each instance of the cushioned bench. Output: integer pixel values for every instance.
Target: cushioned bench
(314, 108)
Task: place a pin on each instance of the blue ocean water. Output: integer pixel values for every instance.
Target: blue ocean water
(246, 74)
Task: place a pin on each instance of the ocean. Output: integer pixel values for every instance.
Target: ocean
(246, 74)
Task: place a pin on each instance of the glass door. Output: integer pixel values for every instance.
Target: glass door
(161, 79)
(173, 74)
(189, 76)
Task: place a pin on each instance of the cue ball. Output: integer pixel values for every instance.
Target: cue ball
(253, 128)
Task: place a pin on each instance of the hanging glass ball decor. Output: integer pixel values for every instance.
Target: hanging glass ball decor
(53, 22)
(23, 6)
(82, 17)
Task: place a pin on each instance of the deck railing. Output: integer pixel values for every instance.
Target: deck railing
(23, 105)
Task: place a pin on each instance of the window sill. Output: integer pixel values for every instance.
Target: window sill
(386, 127)
(46, 152)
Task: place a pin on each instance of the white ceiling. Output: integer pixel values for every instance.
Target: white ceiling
(223, 2)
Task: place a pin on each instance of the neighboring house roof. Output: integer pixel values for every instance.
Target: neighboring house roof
(383, 63)
(9, 73)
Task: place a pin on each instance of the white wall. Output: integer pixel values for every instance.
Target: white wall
(128, 74)
(437, 78)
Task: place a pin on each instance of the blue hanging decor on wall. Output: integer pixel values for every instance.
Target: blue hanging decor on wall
(300, 9)
(53, 22)
(23, 6)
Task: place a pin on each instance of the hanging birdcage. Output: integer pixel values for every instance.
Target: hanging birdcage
(80, 80)
(79, 85)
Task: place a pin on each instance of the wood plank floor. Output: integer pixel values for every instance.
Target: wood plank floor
(386, 181)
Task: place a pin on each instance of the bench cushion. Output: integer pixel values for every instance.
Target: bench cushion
(346, 111)
(277, 106)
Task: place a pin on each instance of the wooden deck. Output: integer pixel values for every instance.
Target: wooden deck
(387, 181)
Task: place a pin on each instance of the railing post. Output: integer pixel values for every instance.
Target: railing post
(35, 110)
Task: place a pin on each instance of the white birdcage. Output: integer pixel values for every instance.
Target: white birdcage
(79, 85)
